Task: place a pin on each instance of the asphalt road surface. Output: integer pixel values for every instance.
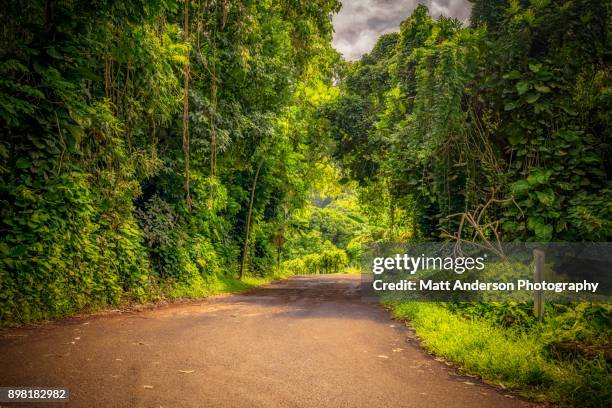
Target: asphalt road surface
(308, 341)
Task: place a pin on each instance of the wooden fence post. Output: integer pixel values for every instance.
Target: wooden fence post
(538, 261)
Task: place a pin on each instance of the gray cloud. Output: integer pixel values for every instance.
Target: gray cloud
(360, 22)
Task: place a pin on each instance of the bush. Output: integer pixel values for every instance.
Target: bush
(61, 254)
(328, 261)
(513, 358)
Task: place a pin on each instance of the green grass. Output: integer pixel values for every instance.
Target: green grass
(352, 270)
(197, 287)
(215, 285)
(509, 358)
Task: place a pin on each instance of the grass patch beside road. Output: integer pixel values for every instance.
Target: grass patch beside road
(216, 285)
(510, 358)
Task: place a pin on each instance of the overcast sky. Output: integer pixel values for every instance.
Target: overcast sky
(361, 22)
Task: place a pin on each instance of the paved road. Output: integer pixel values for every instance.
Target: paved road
(305, 342)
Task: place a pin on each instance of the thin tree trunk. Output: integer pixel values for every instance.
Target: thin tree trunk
(391, 209)
(213, 98)
(391, 214)
(245, 249)
(213, 125)
(186, 153)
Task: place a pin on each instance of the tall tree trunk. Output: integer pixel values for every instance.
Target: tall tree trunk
(391, 214)
(391, 210)
(213, 125)
(213, 96)
(247, 233)
(186, 153)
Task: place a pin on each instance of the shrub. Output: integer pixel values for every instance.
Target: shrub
(328, 261)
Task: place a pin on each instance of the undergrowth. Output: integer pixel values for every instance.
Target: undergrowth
(507, 357)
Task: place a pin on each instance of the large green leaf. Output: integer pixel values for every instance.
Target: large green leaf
(546, 197)
(23, 163)
(520, 187)
(532, 97)
(522, 87)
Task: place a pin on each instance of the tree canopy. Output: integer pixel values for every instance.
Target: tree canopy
(154, 147)
(498, 130)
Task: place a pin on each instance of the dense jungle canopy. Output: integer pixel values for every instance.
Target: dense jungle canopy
(158, 148)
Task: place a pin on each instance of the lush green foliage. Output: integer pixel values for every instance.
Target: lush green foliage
(152, 147)
(328, 261)
(514, 358)
(494, 132)
(164, 148)
(506, 121)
